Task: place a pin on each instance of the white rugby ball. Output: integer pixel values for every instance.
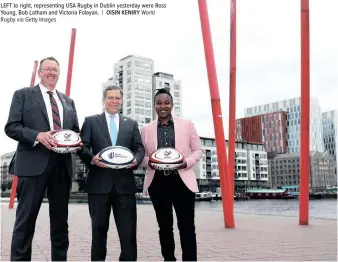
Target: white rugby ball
(67, 141)
(116, 157)
(166, 159)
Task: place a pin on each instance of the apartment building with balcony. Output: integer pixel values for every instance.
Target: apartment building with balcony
(251, 166)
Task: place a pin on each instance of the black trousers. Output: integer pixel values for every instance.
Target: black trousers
(124, 210)
(166, 192)
(30, 193)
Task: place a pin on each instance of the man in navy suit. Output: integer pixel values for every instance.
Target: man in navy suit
(110, 189)
(35, 114)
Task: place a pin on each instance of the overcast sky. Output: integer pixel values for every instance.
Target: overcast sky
(268, 54)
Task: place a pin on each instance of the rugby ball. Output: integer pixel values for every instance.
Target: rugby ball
(67, 141)
(166, 159)
(116, 157)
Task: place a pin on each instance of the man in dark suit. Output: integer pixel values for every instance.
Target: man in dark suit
(107, 188)
(35, 114)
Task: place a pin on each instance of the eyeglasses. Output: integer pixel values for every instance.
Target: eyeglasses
(54, 70)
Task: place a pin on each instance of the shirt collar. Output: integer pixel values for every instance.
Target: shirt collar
(116, 116)
(170, 121)
(45, 89)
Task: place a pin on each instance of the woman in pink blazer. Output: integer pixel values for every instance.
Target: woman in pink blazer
(175, 188)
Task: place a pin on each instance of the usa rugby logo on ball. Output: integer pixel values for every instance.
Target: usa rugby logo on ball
(166, 159)
(67, 141)
(116, 157)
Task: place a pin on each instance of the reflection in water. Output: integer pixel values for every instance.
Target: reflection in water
(323, 208)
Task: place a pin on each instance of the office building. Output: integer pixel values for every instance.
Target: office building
(134, 75)
(268, 129)
(330, 124)
(285, 170)
(292, 108)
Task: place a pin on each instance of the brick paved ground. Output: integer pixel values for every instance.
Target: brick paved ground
(256, 237)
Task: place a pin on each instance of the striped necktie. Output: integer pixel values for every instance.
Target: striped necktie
(55, 112)
(113, 130)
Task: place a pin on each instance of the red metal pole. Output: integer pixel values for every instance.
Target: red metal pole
(227, 196)
(70, 62)
(232, 97)
(305, 112)
(15, 178)
(35, 69)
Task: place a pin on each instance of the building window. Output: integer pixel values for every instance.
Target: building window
(139, 103)
(139, 95)
(139, 111)
(142, 65)
(142, 73)
(142, 80)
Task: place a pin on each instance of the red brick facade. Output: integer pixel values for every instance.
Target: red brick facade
(269, 129)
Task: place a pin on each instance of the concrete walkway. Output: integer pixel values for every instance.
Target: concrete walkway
(256, 237)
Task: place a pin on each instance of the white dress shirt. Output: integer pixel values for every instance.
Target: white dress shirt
(116, 119)
(117, 122)
(46, 98)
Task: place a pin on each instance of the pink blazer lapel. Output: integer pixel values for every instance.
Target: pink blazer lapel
(154, 134)
(177, 134)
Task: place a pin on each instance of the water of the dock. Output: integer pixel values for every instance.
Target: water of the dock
(256, 237)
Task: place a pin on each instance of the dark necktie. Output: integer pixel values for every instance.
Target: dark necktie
(55, 112)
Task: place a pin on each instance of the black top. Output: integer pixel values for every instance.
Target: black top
(165, 138)
(166, 134)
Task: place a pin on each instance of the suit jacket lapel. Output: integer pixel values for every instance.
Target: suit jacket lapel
(154, 133)
(39, 99)
(176, 129)
(64, 106)
(104, 127)
(122, 122)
